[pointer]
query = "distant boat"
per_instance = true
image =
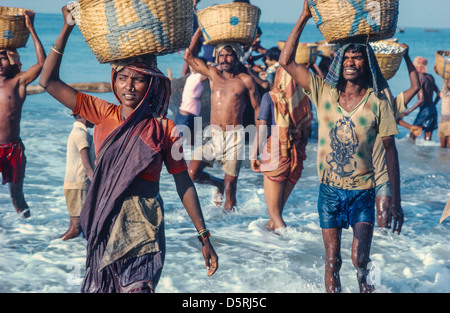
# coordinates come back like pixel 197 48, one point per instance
pixel 402 29
pixel 429 30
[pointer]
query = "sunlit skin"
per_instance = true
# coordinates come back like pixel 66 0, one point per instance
pixel 130 88
pixel 230 93
pixel 13 84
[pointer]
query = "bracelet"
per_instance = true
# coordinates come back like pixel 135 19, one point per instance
pixel 57 50
pixel 203 233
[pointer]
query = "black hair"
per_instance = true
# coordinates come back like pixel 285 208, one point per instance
pixel 357 48
pixel 273 54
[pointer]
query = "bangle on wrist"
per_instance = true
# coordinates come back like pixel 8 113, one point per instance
pixel 57 50
pixel 202 234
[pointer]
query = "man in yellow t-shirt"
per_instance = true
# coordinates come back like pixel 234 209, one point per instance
pixel 351 112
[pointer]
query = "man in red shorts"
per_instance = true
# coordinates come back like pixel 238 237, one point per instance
pixel 13 83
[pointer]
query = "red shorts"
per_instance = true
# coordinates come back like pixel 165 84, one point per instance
pixel 12 162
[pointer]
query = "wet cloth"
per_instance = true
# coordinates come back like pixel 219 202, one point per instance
pixel 12 162
pixel 334 76
pixel 346 139
pixel 427 118
pixel 284 153
pixel 237 48
pixel 130 148
pixel 343 208
pixel 74 201
pixel 135 231
pixel 379 153
pixel 225 147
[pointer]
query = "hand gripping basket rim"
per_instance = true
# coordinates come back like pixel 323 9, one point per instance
pixel 13 31
pixel 342 21
pixel 231 22
pixel 120 29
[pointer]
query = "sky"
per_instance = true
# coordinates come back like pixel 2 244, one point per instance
pixel 413 13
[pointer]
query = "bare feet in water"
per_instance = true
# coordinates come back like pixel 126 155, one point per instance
pixel 74 229
pixel 218 197
pixel 24 213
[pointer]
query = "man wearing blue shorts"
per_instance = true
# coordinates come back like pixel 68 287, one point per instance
pixel 351 112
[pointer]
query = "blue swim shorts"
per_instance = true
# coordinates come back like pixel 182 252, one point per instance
pixel 383 189
pixel 339 208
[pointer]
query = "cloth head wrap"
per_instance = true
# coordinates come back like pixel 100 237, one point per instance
pixel 420 63
pixel 237 48
pixel 334 77
pixel 13 57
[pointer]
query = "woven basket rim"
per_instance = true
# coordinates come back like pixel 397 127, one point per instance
pixel 226 5
pixel 442 52
pixel 15 8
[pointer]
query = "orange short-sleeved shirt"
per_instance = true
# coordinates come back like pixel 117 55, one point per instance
pixel 106 117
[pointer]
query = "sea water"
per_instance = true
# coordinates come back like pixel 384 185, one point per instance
pixel 34 259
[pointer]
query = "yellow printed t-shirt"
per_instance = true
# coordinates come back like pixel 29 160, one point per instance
pixel 379 153
pixel 346 139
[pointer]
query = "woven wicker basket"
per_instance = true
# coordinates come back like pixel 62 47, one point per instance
pixel 119 29
pixel 355 20
pixel 306 52
pixel 232 22
pixel 325 49
pixel 389 63
pixel 443 64
pixel 13 32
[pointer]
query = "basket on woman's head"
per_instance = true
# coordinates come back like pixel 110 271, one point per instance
pixel 119 29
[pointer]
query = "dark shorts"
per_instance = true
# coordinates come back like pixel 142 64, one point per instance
pixel 339 208
pixel 383 189
pixel 186 120
pixel 12 162
pixel 427 118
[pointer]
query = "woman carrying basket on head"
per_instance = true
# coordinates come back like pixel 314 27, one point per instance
pixel 132 140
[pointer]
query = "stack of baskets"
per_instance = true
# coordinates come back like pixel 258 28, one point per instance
pixel 356 20
pixel 306 52
pixel 232 22
pixel 120 29
pixel 389 56
pixel 13 32
pixel 326 49
pixel 443 64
